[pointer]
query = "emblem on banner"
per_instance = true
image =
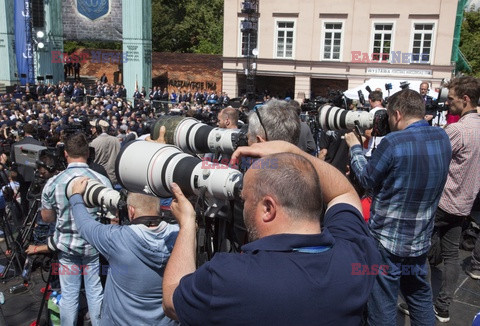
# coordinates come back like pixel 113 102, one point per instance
pixel 93 9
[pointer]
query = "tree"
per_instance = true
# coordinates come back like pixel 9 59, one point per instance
pixel 194 26
pixel 470 40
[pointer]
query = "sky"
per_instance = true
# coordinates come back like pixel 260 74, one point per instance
pixel 474 2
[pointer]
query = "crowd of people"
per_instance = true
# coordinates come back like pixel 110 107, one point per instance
pixel 52 109
pixel 310 257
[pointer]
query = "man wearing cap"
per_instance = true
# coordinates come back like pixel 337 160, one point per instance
pixel 106 147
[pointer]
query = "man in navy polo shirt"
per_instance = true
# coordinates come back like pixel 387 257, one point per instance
pixel 295 271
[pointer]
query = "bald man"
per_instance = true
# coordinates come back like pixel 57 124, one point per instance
pixel 293 272
pixel 228 118
pixel 137 254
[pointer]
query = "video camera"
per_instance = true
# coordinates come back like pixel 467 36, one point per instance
pixel 334 97
pixel 30 154
pixel 79 124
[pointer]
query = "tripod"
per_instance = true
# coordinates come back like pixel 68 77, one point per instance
pixel 45 294
pixel 22 238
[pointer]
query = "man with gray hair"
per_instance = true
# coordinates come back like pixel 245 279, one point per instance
pixel 273 121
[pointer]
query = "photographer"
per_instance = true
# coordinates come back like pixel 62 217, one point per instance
pixel 135 252
pixel 462 184
pixel 46 169
pixel 228 118
pixel 275 120
pixel 375 99
pixel 76 256
pixel 406 174
pixel 305 141
pixel 291 259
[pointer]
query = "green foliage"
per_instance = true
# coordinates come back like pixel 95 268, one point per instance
pixel 193 26
pixel 470 40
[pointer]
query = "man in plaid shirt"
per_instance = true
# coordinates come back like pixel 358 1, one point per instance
pixel 406 173
pixel 77 258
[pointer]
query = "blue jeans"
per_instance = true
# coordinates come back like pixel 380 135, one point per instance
pixel 71 269
pixel 409 275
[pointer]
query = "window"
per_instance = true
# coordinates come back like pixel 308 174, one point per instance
pixel 422 42
pixel 332 41
pixel 249 38
pixel 285 39
pixel 382 42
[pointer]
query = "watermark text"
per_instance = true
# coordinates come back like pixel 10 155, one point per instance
pixel 391 57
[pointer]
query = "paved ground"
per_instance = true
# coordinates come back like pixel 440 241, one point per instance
pixel 466 302
pixel 22 308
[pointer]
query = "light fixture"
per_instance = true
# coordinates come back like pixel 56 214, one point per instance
pixel 40 45
pixel 40 34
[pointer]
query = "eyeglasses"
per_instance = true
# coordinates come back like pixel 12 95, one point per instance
pixel 255 109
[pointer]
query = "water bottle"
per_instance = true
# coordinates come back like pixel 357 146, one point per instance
pixel 18 288
pixel 53 297
pixel 26 269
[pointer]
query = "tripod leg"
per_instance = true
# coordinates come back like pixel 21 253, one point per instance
pixel 22 238
pixel 45 294
pixel 7 230
pixel 16 250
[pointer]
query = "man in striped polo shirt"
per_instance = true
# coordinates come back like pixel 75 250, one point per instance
pixel 77 257
pixel 462 185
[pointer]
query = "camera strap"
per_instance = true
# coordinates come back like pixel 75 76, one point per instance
pixel 468 112
pixel 148 221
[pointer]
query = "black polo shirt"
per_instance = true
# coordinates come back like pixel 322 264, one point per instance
pixel 286 279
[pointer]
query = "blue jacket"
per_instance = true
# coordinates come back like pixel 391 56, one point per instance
pixel 137 256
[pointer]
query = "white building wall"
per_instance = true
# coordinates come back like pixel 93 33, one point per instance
pixel 358 18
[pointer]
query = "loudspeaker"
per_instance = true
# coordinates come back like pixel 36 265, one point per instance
pixel 38 14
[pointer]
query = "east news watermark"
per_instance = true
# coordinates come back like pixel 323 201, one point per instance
pixel 376 269
pixel 242 164
pixel 93 57
pixel 73 269
pixel 390 57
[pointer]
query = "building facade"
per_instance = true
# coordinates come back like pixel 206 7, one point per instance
pixel 305 48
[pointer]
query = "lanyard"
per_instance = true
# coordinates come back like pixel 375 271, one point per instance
pixel 311 250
